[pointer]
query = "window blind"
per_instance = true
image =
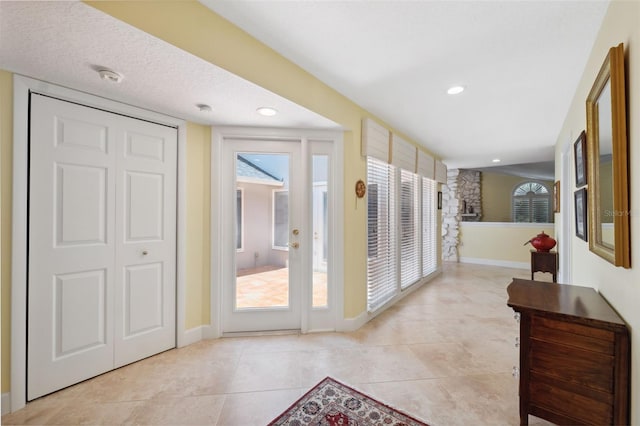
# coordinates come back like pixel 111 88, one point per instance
pixel 381 235
pixel 429 228
pixel 375 140
pixel 409 229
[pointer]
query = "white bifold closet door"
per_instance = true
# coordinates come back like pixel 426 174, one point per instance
pixel 102 242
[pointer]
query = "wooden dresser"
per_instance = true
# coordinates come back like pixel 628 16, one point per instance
pixel 574 355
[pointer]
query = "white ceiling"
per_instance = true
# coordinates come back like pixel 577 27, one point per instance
pixel 520 62
pixel 541 171
pixel 65 42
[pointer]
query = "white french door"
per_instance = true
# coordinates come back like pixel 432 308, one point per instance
pixel 102 242
pixel 264 236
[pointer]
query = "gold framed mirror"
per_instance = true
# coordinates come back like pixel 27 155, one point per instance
pixel 607 162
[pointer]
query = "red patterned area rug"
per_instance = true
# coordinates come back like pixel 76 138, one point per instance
pixel 332 403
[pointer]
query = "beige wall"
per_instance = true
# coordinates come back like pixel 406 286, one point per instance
pixel 258 226
pixel 496 195
pixel 198 242
pixel 6 170
pixel 199 31
pixel 621 287
pixel 499 243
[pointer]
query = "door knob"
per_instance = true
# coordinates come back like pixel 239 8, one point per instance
pixel 294 245
pixel 145 252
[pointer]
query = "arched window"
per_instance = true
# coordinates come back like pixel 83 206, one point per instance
pixel 531 202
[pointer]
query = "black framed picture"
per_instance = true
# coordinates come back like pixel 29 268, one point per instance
pixel 580 199
pixel 580 155
pixel 439 200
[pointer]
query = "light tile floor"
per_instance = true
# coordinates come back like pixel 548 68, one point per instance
pixel 444 354
pixel 269 287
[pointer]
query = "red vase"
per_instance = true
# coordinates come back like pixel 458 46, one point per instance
pixel 542 242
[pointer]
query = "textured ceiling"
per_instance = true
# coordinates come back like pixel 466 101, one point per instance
pixel 519 60
pixel 64 42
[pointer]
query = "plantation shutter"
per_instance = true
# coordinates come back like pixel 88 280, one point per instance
pixel 540 209
pixel 521 210
pixel 381 236
pixel 409 229
pixel 429 249
pixel 375 140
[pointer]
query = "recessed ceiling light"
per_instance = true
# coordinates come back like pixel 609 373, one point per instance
pixel 454 90
pixel 110 76
pixel 495 160
pixel 203 107
pixel 267 111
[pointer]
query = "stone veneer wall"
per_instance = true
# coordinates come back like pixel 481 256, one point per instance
pixel 470 195
pixel 461 195
pixel 450 216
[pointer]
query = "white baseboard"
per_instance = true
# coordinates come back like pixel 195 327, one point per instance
pixel 210 332
pixel 496 262
pixel 6 403
pixel 319 330
pixel 352 324
pixel 193 335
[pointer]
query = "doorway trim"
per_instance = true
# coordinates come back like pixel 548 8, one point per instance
pixel 336 274
pixel 566 212
pixel 22 86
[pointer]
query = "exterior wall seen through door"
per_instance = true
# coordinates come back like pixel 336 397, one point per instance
pixel 257 221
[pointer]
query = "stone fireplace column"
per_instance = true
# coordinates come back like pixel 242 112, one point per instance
pixel 461 201
pixel 450 216
pixel 469 195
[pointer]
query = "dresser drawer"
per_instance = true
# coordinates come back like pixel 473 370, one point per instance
pixel 583 405
pixel 576 335
pixel 585 368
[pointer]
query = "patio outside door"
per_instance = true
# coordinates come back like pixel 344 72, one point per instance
pixel 264 229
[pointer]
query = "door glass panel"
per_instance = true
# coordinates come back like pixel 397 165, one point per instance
pixel 262 231
pixel 320 230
